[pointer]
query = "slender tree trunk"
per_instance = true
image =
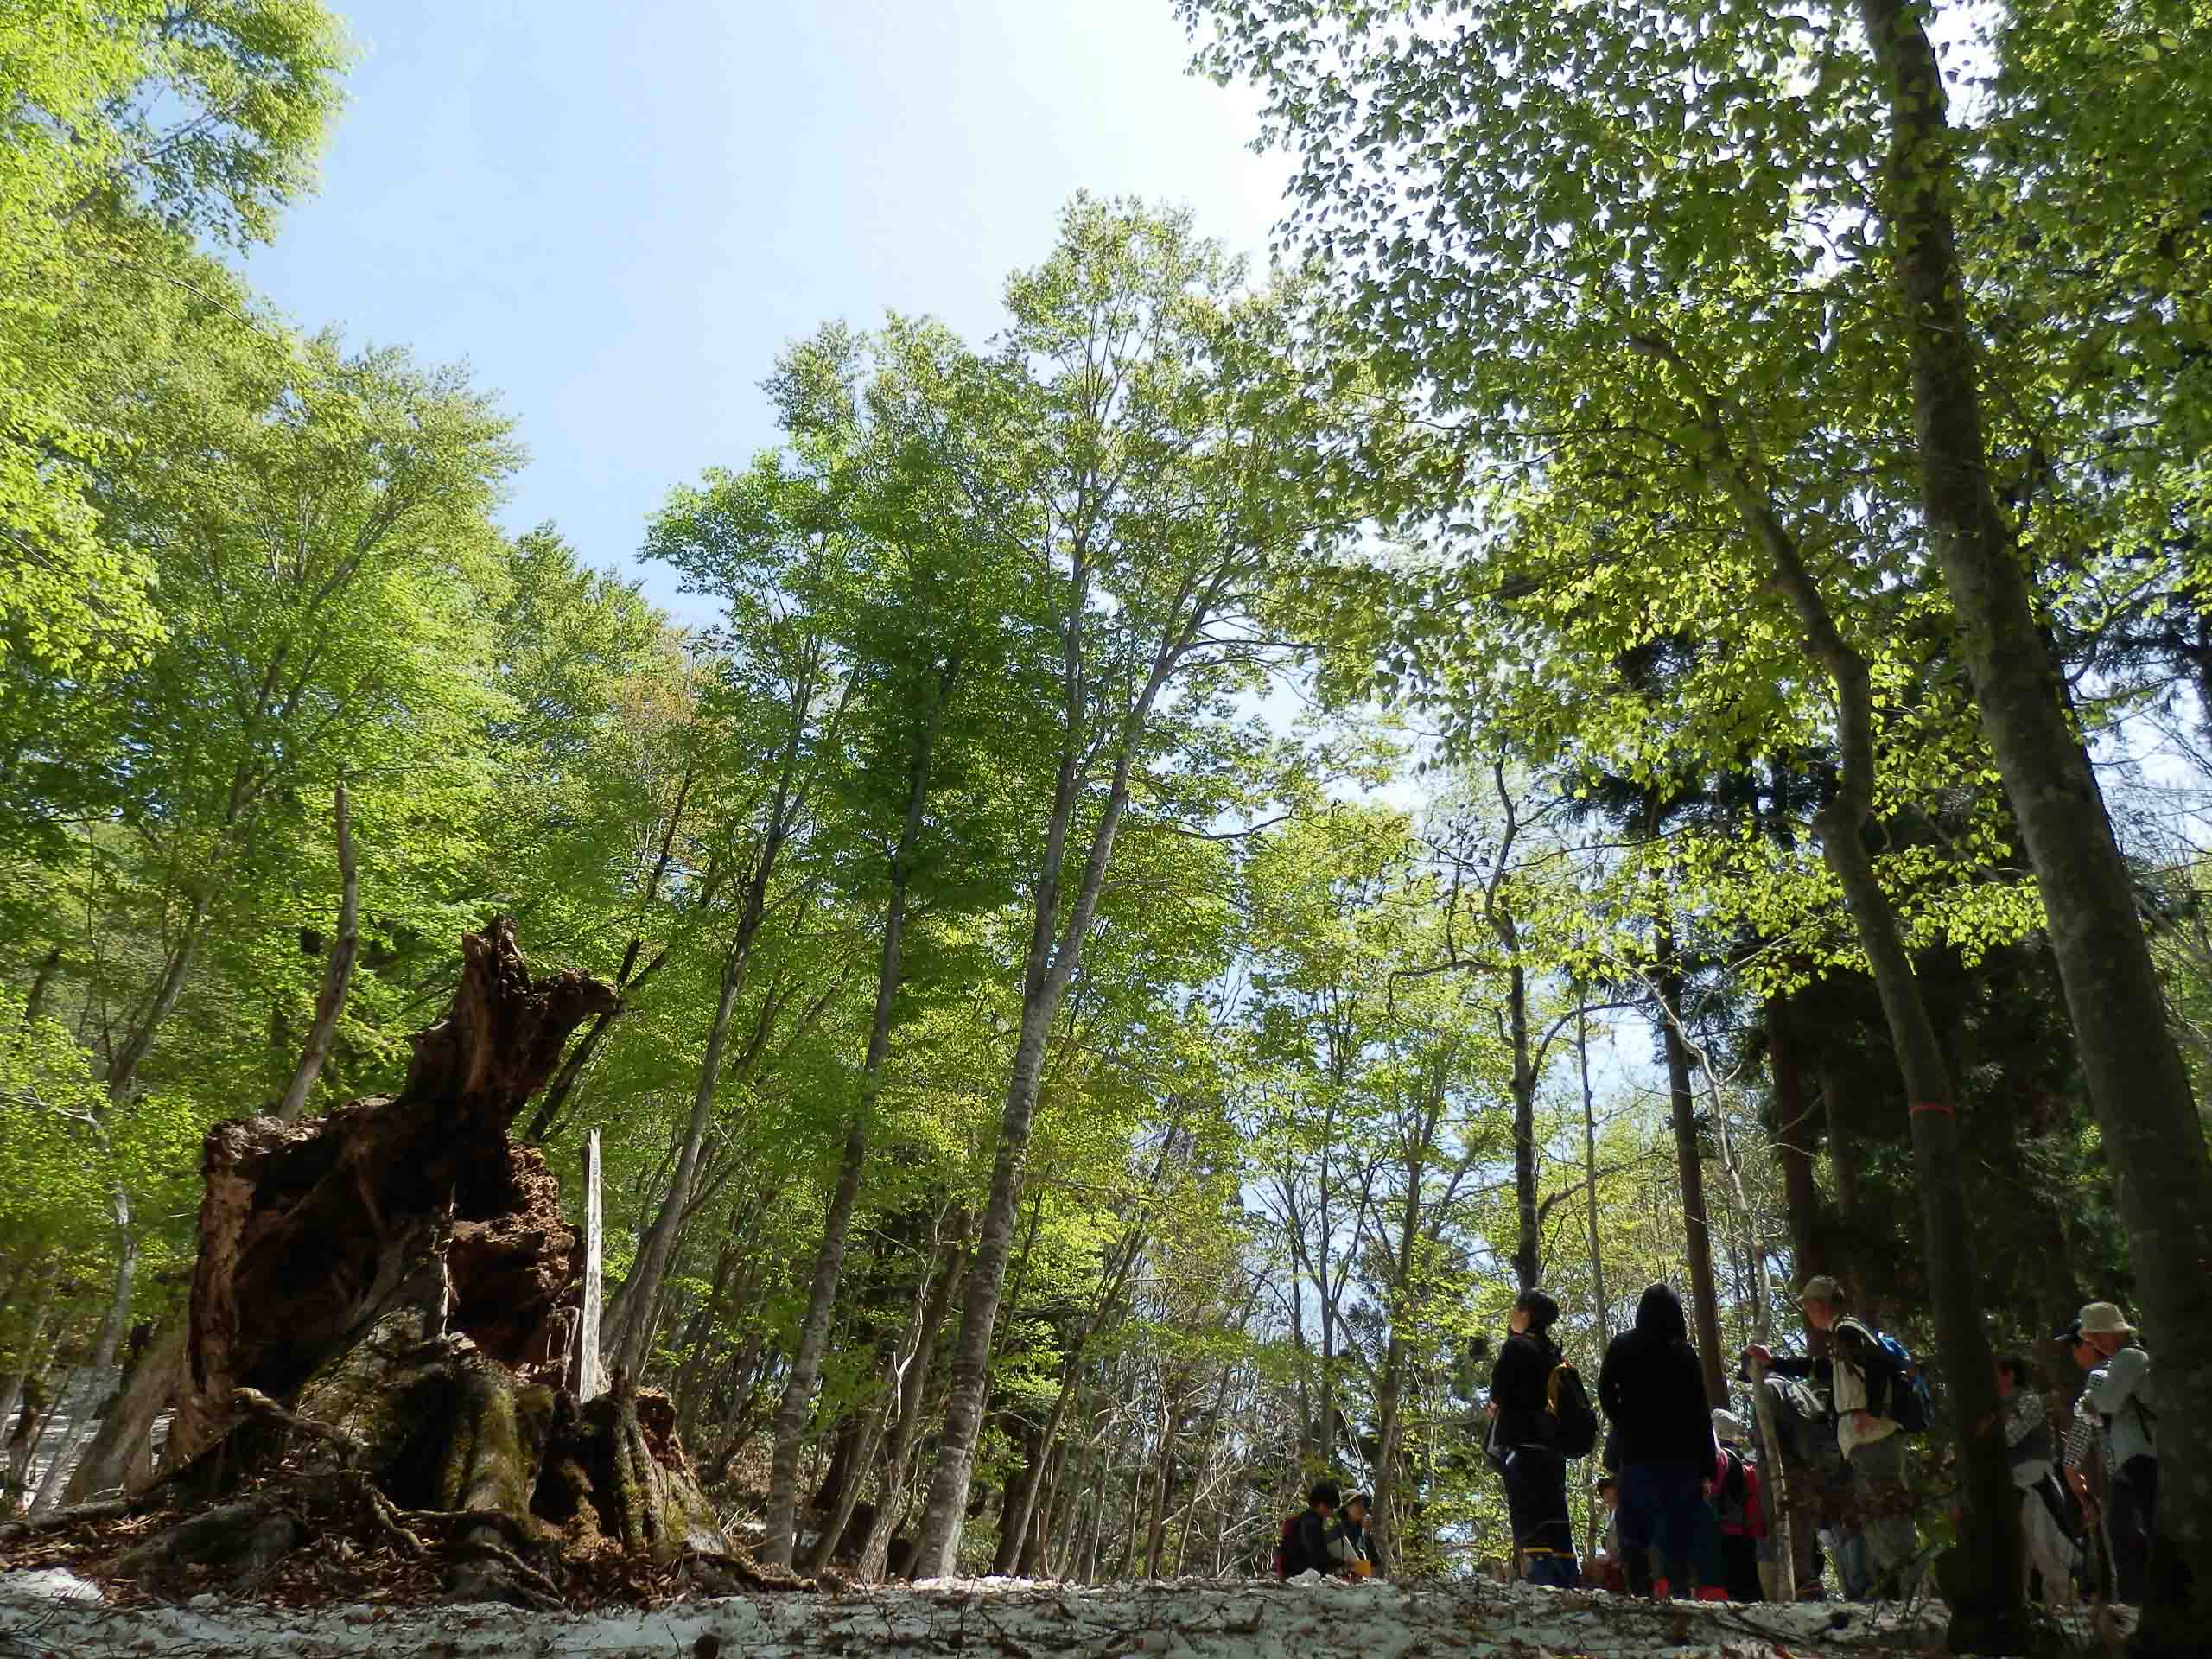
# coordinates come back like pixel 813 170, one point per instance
pixel 1021 1494
pixel 630 1314
pixel 337 975
pixel 555 1101
pixel 876 1416
pixel 1843 1154
pixel 1689 1160
pixel 1036 1551
pixel 1988 1614
pixel 41 982
pixel 16 1429
pixel 1590 1176
pixel 123 1068
pixel 1796 1137
pixel 790 1427
pixel 1156 1531
pixel 106 1344
pixel 1051 964
pixel 910 1393
pixel 1528 1236
pixel 1775 1496
pixel 2152 1132
pixel 120 1455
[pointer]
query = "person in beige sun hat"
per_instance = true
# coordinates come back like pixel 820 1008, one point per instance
pixel 2120 1391
pixel 2105 1319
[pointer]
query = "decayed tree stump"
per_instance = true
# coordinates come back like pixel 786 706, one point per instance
pixel 382 1310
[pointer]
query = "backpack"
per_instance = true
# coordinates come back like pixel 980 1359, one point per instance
pixel 1732 1494
pixel 1574 1423
pixel 1912 1403
pixel 2146 1414
pixel 1286 1547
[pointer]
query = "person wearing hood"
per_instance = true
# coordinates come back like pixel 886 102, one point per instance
pixel 1651 1389
pixel 1521 1447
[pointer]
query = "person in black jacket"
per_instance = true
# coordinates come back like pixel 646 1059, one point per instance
pixel 1522 1430
pixel 1651 1389
pixel 1311 1544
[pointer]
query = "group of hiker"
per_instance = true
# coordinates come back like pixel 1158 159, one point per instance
pixel 1328 1536
pixel 1684 1493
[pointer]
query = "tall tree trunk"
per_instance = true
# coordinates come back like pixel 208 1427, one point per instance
pixel 908 1397
pixel 1055 949
pixel 877 1417
pixel 1156 1530
pixel 1036 1551
pixel 1988 1614
pixel 1794 1134
pixel 121 1452
pixel 123 1066
pixel 337 975
pixel 1590 1175
pixel 1021 1493
pixel 632 1313
pixel 2150 1124
pixel 1528 1235
pixel 41 982
pixel 790 1425
pixel 107 1344
pixel 558 1092
pixel 1705 1294
pixel 18 1426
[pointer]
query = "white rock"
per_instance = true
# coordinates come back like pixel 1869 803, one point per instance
pixel 50 1584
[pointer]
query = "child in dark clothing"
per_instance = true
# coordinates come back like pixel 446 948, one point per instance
pixel 1520 1444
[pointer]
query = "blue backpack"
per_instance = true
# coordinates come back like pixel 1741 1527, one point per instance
pixel 1912 1403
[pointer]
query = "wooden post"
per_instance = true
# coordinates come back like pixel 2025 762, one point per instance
pixel 588 1374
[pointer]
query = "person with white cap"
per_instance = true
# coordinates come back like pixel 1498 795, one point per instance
pixel 1736 1496
pixel 2119 1392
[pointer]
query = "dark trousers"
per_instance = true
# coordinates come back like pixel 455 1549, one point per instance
pixel 1739 1561
pixel 1535 1499
pixel 1663 1506
pixel 2135 1497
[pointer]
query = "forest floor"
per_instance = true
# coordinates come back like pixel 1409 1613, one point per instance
pixel 53 1612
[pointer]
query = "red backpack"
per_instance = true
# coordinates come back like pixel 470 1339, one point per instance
pixel 1287 1546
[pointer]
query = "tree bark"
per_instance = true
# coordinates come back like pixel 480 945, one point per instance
pixel 1988 1613
pixel 338 973
pixel 395 1279
pixel 123 1067
pixel 790 1425
pixel 1051 963
pixel 1590 1175
pixel 635 1310
pixel 1529 1234
pixel 42 982
pixel 907 1398
pixel 588 1383
pixel 1689 1160
pixel 554 1103
pixel 1796 1137
pixel 106 1345
pixel 2152 1129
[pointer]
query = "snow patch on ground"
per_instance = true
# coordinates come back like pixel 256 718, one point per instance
pixel 47 1612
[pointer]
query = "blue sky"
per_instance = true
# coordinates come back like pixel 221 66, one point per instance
pixel 617 213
